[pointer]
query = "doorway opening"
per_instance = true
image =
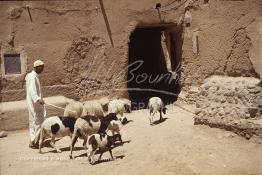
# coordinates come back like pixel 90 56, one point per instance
pixel 154 64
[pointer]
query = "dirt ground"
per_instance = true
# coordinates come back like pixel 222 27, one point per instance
pixel 174 146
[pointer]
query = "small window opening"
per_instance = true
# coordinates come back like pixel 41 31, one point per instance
pixel 12 63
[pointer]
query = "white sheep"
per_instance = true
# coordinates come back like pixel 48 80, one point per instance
pixel 92 107
pixel 73 109
pixel 119 106
pixel 89 124
pixel 116 125
pixel 101 141
pixel 56 127
pixel 155 104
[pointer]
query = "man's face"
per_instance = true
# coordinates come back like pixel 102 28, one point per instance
pixel 39 69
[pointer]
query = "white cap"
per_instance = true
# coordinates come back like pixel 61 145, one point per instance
pixel 38 63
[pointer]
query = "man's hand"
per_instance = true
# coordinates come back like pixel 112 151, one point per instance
pixel 41 101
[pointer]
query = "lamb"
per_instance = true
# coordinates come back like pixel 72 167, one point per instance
pixel 92 108
pixel 101 141
pixel 116 125
pixel 56 127
pixel 119 106
pixel 74 109
pixel 89 124
pixel 156 104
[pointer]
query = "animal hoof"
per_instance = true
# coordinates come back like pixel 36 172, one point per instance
pixel 71 157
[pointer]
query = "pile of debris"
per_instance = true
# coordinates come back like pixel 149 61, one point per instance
pixel 231 103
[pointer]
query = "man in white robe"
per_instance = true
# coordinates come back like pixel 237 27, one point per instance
pixel 35 102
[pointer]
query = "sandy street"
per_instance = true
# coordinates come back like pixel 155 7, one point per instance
pixel 175 146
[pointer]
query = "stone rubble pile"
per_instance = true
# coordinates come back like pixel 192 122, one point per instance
pixel 231 103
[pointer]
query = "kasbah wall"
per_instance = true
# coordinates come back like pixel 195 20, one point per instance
pixel 72 39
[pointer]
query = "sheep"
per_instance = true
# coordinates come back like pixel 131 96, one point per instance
pixel 119 106
pixel 156 104
pixel 101 141
pixel 74 109
pixel 89 124
pixel 116 125
pixel 126 101
pixel 92 108
pixel 56 127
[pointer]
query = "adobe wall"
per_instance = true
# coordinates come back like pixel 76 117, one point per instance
pixel 73 41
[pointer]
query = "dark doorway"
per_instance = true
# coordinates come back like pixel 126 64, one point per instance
pixel 148 75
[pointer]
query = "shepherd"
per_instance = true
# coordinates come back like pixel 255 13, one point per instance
pixel 35 103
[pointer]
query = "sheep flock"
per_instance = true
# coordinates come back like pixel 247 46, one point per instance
pixel 97 122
